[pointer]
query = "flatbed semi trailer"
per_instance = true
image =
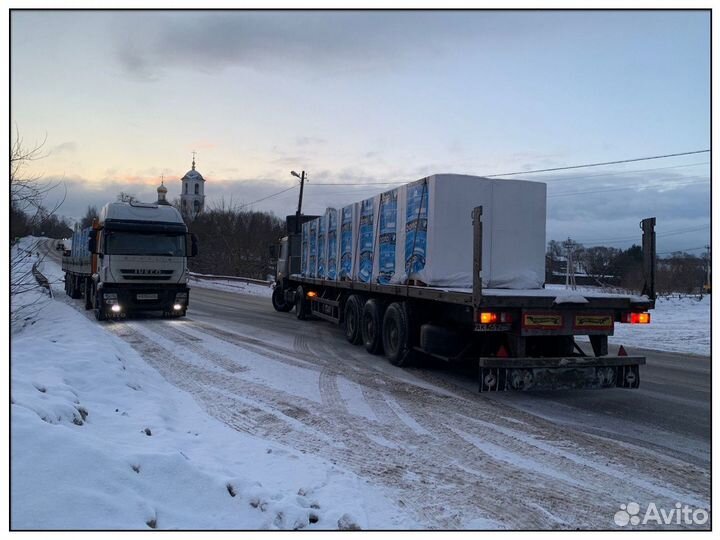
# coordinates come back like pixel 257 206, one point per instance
pixel 520 339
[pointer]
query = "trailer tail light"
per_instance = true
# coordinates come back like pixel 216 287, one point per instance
pixel 311 294
pixel 487 317
pixel 636 318
pixel 491 317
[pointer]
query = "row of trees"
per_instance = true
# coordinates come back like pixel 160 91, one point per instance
pixel 234 241
pixel 609 266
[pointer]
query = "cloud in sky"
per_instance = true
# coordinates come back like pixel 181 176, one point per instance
pixel 330 40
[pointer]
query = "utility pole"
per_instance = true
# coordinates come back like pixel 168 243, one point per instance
pixel 301 176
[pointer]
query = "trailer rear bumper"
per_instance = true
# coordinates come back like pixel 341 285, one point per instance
pixel 561 373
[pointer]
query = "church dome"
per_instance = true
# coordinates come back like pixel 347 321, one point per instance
pixel 193 175
pixel 161 188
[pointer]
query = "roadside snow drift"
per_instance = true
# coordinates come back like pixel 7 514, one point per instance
pixel 101 441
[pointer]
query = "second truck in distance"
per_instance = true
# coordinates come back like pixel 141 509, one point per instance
pixel 133 258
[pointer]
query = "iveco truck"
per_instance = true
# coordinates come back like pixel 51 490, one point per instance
pixel 133 258
pixel 452 267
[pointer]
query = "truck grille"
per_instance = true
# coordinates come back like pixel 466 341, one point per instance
pixel 155 275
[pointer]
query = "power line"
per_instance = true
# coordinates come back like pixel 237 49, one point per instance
pixel 267 197
pixel 629 186
pixel 631 238
pixel 555 180
pixel 356 183
pixel 599 164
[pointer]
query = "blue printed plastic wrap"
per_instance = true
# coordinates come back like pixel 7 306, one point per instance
pixel 321 262
pixel 346 242
pixel 416 227
pixel 312 259
pixel 387 236
pixel 367 232
pixel 304 249
pixel 332 244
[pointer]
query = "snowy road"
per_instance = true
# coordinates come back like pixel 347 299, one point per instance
pixel 450 457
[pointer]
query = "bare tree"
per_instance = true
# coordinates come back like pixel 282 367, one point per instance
pixel 126 197
pixel 27 195
pixel 28 192
pixel 90 214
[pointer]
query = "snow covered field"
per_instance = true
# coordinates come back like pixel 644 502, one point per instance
pixel 131 451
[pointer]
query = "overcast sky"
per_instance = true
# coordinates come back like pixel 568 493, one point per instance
pixel 365 97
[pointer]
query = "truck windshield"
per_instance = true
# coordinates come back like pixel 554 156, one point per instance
pixel 125 243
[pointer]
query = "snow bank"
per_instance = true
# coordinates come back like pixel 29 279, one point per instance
pixel 101 441
pixel 676 324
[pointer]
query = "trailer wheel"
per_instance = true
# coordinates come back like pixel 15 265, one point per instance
pixel 89 294
pixel 302 306
pixel 372 315
pixel 75 290
pixel 351 319
pixel 396 334
pixel 279 302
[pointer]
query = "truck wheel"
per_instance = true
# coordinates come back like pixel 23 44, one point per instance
pixel 89 293
pixel 75 290
pixel 396 334
pixel 371 326
pixel 302 306
pixel 100 314
pixel 279 302
pixel 351 318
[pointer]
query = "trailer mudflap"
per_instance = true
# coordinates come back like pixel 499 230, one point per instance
pixel 559 373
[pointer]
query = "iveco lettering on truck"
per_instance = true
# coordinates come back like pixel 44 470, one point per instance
pixel 452 267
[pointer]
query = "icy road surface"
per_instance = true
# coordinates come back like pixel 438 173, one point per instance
pixel 446 456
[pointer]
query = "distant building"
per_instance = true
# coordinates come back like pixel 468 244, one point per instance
pixel 162 194
pixel 192 196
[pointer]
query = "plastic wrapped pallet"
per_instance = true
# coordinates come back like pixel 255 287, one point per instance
pixel 304 249
pixel 348 216
pixel 312 248
pixel 321 246
pixel 331 216
pixel 438 233
pixel 366 244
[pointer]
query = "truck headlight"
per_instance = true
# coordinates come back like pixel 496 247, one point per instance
pixel 177 307
pixel 111 298
pixel 116 308
pixel 181 297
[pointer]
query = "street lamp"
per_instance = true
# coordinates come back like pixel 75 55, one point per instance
pixel 299 208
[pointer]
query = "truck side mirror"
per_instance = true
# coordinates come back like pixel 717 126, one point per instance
pixel 91 244
pixel 273 251
pixel 191 245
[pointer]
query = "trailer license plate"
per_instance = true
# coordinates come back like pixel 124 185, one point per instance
pixel 146 296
